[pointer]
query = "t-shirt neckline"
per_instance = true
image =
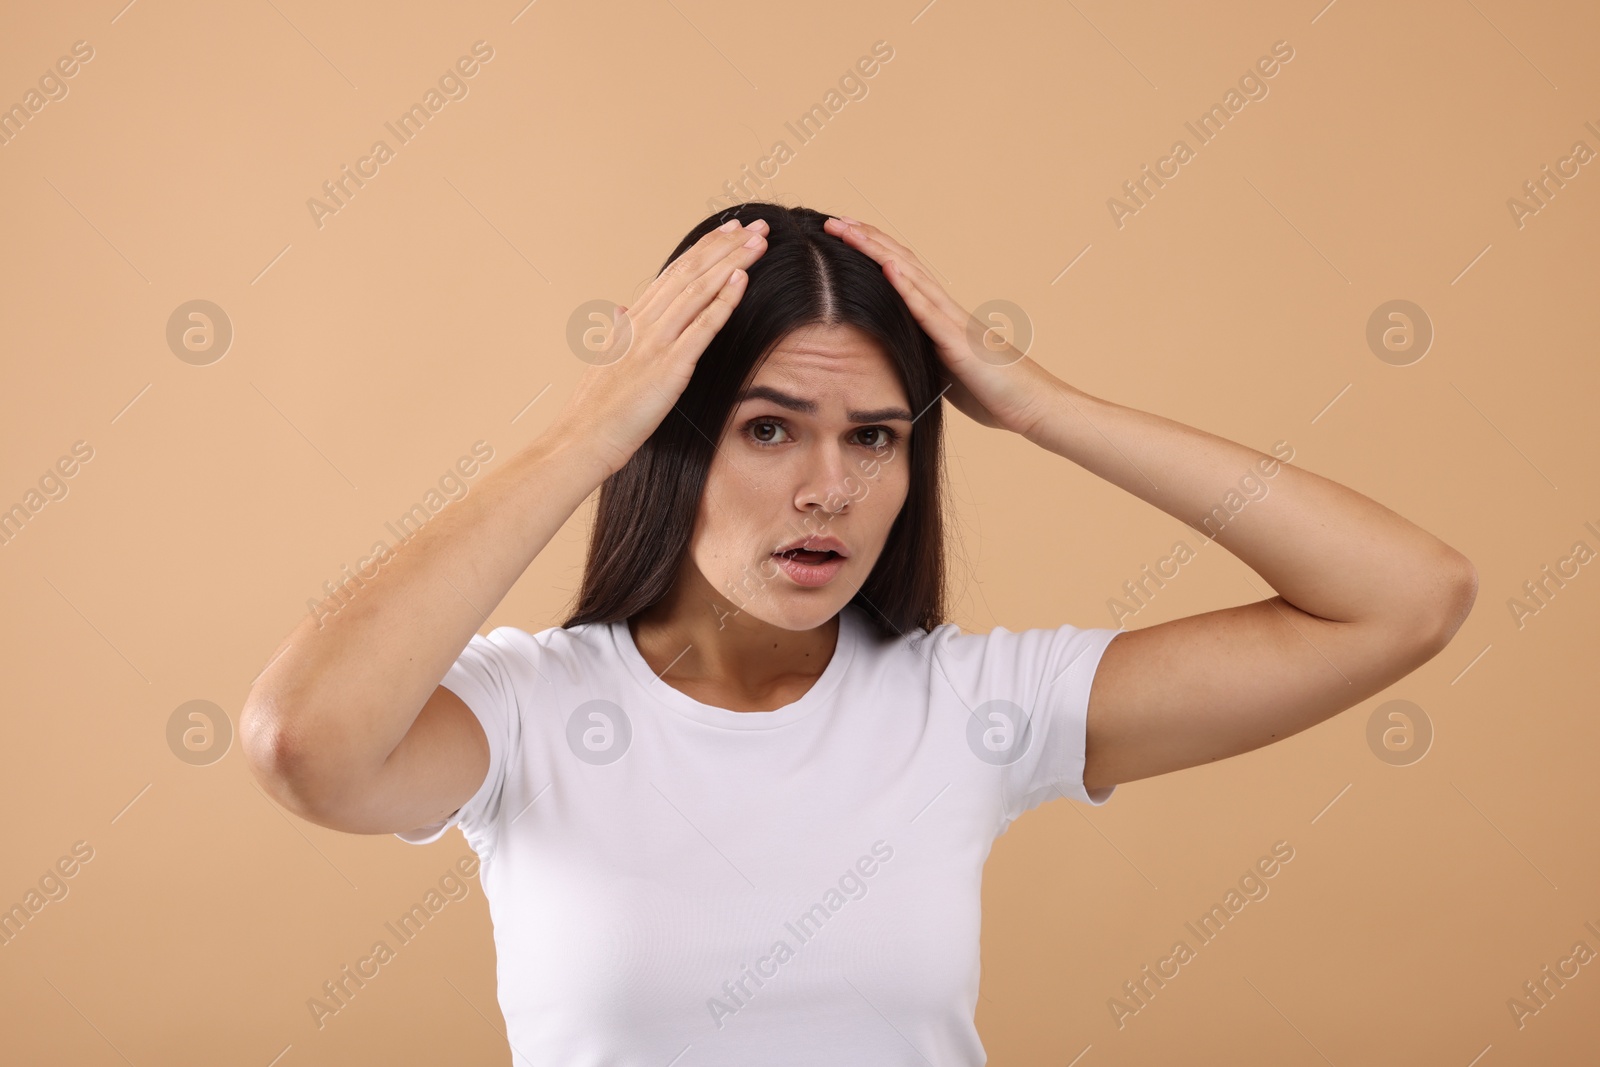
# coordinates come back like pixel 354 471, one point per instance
pixel 843 652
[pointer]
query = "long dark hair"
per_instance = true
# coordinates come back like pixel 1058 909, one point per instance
pixel 647 508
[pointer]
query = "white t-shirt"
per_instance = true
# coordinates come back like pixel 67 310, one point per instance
pixel 676 883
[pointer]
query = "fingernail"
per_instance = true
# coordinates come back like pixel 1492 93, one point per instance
pixel 755 239
pixel 729 226
pixel 848 220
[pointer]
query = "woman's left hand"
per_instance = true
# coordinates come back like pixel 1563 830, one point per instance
pixel 1005 389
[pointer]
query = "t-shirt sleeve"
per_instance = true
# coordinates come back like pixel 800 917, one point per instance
pixel 485 676
pixel 1027 694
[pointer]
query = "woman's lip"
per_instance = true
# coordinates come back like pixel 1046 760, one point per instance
pixel 808 574
pixel 803 548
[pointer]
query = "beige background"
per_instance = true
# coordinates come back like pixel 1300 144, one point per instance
pixel 369 353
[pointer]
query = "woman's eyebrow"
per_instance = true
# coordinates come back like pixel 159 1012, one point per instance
pixel 809 407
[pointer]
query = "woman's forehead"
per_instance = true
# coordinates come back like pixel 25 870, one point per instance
pixel 839 341
pixel 861 384
pixel 827 357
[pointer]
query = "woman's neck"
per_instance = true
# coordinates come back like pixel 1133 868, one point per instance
pixel 707 648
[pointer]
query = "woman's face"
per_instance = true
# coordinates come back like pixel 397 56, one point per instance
pixel 817 447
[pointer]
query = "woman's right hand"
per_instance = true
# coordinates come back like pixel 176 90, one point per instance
pixel 617 405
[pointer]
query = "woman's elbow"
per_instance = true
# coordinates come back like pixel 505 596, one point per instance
pixel 278 757
pixel 1456 592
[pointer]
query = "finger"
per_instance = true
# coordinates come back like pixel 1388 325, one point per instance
pixel 947 330
pixel 882 248
pixel 699 331
pixel 867 229
pixel 938 302
pixel 704 255
pixel 698 293
pixel 712 246
pixel 870 234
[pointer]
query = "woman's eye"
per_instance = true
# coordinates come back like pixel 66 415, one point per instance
pixel 757 428
pixel 763 432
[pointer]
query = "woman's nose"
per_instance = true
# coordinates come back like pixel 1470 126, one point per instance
pixel 827 481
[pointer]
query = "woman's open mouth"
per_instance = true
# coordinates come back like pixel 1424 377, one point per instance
pixel 808 568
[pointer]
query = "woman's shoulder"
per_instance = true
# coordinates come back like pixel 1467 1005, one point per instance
pixel 534 646
pixel 950 640
pixel 877 640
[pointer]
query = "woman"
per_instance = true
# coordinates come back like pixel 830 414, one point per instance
pixel 735 809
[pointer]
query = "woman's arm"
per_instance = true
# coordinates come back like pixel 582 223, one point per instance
pixel 1364 596
pixel 348 725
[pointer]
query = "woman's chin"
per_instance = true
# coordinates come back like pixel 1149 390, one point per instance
pixel 795 609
